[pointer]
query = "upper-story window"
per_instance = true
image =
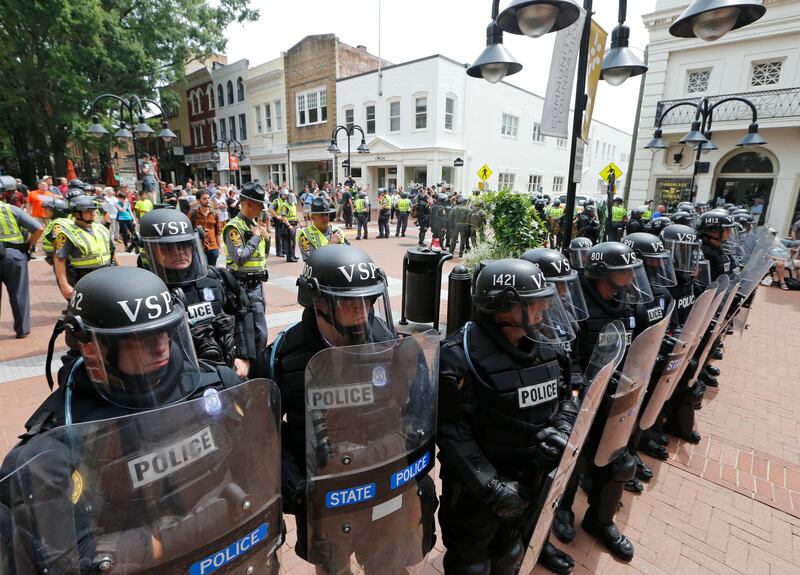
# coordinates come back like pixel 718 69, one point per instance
pixel 369 113
pixel 239 90
pixel 312 107
pixel 277 105
pixel 210 96
pixel 230 93
pixel 450 113
pixel 766 73
pixel 257 118
pixel 561 143
pixel 243 126
pixel 510 125
pixel 537 132
pixel 394 116
pixel 698 81
pixel 421 112
pixel 267 118
pixel 220 96
pixel 349 118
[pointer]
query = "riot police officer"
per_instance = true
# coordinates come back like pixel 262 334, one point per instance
pixel 423 216
pixel 83 247
pixel 656 225
pixel 439 214
pixel 130 357
pixel 715 228
pixel 461 229
pixel 361 208
pixel 321 231
pixel 505 412
pixel 614 282
pixel 579 252
pixel 217 308
pixel 14 250
pixel 635 223
pixel 403 209
pixel 58 217
pixel 588 224
pixel 345 301
pixel 285 214
pixel 245 240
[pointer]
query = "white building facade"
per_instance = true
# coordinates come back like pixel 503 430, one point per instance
pixel 233 115
pixel 423 118
pixel 761 63
pixel 266 94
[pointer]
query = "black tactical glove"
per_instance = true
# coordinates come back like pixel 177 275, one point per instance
pixel 550 447
pixel 206 522
pixel 206 344
pixel 506 498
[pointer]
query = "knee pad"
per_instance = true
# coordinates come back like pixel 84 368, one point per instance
pixel 624 467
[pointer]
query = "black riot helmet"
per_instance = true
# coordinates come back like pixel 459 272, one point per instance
pixel 349 295
pixel 657 224
pixel 133 337
pixel 254 192
pixel 441 198
pixel 684 218
pixel 76 184
pixel 617 264
pixel 557 269
pixel 684 245
pixel 637 213
pixel 718 225
pixel 657 260
pixel 60 207
pixel 701 207
pixel 172 247
pixel 404 195
pixel 744 219
pixel 519 290
pixel 579 252
pixel 685 207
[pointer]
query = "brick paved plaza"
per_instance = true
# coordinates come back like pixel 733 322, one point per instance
pixel 728 505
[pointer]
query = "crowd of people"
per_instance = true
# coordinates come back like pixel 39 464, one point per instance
pixel 361 407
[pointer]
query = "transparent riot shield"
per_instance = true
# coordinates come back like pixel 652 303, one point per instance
pixel 606 357
pixel 758 264
pixel 678 360
pixel 718 324
pixel 370 424
pixel 192 489
pixel 629 394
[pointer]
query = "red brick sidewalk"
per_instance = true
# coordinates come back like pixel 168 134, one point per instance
pixel 729 505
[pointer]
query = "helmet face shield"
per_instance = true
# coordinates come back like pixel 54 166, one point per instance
pixel 143 369
pixel 579 256
pixel 659 269
pixel 703 273
pixel 630 284
pixel 684 254
pixel 730 240
pixel 541 316
pixel 177 260
pixel 571 294
pixel 354 316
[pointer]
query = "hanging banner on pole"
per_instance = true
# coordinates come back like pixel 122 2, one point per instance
pixel 597 49
pixel 555 115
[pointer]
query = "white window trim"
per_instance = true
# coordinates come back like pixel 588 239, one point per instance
pixel 414 99
pixel 541 140
pixel 346 109
pixel 374 118
pixel 275 105
pixel 269 127
pixel 512 115
pixel 563 184
pixel 305 94
pixel 259 128
pixel 455 113
pixel 389 103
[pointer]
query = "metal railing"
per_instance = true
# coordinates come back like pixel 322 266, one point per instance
pixel 782 103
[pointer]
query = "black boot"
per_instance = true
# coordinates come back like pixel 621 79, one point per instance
pixel 633 485
pixel 510 562
pixel 608 534
pixel 555 559
pixel 707 379
pixel 716 353
pixel 653 449
pixel 564 525
pixel 643 471
pixel 712 370
pixel 660 438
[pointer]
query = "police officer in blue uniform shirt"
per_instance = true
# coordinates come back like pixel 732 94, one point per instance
pixel 505 412
pixel 15 224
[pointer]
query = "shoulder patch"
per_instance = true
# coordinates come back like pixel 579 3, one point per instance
pixel 235 237
pixel 77 487
pixel 56 229
pixel 303 241
pixel 61 239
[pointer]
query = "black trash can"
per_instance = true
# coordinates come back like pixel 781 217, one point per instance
pixel 422 285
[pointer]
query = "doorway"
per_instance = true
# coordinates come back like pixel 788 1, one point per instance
pixel 746 179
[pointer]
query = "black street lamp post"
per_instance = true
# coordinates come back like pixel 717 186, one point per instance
pixel 130 105
pixel 238 151
pixel 334 147
pixel 700 134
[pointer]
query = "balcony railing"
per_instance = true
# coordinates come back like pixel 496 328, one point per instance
pixel 783 103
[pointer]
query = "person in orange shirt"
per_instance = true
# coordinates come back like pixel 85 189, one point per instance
pixel 35 199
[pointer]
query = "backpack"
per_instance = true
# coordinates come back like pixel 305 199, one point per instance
pixel 792 283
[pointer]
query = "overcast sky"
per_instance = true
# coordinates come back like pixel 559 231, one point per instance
pixel 415 28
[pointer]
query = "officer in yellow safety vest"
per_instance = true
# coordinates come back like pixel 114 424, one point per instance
pixel 554 217
pixel 647 211
pixel 57 217
pixel 362 215
pixel 285 214
pixel 83 247
pixel 14 252
pixel 245 239
pixel 385 203
pixel 321 232
pixel 403 209
pixel 618 216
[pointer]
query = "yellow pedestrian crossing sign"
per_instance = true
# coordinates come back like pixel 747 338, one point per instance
pixel 607 171
pixel 485 172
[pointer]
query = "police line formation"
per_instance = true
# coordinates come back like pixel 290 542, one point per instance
pixel 175 439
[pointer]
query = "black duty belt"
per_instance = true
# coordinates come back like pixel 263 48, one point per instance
pixel 251 281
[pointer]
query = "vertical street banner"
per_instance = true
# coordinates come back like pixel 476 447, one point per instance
pixel 597 49
pixel 555 115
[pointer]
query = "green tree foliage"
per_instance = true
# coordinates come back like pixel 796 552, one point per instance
pixel 58 55
pixel 515 227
